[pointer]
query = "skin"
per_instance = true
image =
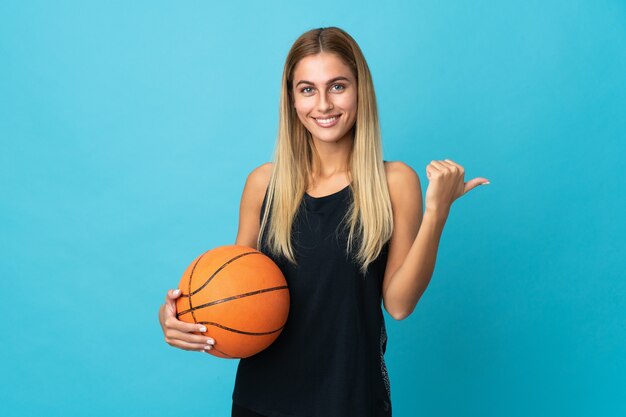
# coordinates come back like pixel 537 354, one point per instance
pixel 415 239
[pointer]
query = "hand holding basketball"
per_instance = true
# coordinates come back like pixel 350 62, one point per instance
pixel 179 333
pixel 239 294
pixel 446 184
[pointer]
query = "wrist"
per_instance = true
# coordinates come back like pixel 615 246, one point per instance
pixel 438 213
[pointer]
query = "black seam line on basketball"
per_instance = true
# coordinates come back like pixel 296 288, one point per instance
pixel 224 353
pixel 218 270
pixel 230 329
pixel 212 276
pixel 189 285
pixel 223 300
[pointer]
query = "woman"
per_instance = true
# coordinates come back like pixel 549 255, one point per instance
pixel 347 230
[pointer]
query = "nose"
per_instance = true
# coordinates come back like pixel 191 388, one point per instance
pixel 325 103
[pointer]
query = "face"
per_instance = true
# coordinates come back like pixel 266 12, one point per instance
pixel 323 88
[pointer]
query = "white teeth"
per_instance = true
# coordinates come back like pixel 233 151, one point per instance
pixel 326 121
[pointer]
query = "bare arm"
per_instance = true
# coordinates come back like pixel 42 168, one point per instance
pixel 413 246
pixel 414 243
pixel 250 206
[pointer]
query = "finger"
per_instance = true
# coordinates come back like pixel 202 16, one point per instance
pixel 449 167
pixel 470 185
pixel 431 170
pixel 172 295
pixel 170 298
pixel 190 337
pixel 173 323
pixel 451 162
pixel 188 346
pixel 433 165
pixel 442 167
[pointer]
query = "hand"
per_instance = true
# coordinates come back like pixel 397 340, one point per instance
pixel 179 333
pixel 446 185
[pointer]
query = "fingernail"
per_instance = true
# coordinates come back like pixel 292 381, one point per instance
pixel 203 329
pixel 210 342
pixel 486 183
pixel 176 291
pixel 208 347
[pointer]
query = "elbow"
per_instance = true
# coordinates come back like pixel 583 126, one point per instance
pixel 398 310
pixel 399 314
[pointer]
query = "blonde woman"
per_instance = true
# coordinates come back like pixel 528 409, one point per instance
pixel 348 231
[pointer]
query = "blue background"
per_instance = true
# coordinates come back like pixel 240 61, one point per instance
pixel 127 132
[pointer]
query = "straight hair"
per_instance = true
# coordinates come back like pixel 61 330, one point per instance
pixel 369 217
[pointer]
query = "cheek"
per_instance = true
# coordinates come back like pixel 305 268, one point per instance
pixel 300 113
pixel 302 108
pixel 348 103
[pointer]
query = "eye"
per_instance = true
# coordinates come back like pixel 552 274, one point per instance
pixel 305 88
pixel 339 85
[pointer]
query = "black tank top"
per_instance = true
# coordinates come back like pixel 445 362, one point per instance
pixel 329 359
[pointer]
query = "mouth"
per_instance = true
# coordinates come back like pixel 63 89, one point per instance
pixel 327 121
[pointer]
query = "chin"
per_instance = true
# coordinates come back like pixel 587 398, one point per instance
pixel 327 136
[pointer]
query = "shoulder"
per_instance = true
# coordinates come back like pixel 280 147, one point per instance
pixel 401 177
pixel 262 173
pixel 405 190
pixel 259 178
pixel 251 204
pixel 256 185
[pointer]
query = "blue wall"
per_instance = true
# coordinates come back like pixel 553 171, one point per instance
pixel 127 131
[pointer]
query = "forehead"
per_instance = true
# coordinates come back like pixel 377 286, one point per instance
pixel 320 67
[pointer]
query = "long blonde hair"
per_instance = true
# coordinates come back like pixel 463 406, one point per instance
pixel 370 216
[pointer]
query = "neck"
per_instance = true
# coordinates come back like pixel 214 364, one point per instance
pixel 331 159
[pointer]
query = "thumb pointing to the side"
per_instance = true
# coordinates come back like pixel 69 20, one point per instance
pixel 471 184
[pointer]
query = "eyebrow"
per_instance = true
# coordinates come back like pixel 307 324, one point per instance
pixel 328 82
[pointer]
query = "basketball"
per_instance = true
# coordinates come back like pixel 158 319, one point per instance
pixel 240 296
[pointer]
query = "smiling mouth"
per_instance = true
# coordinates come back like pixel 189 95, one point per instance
pixel 326 121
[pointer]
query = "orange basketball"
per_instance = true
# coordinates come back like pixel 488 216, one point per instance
pixel 241 297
